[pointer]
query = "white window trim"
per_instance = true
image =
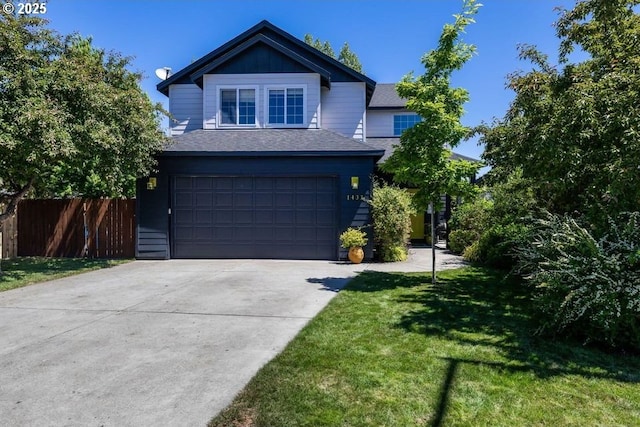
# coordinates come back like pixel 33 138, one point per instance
pixel 404 113
pixel 219 89
pixel 304 123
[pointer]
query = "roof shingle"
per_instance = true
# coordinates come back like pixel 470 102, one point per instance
pixel 268 142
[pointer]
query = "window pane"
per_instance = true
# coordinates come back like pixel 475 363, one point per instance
pixel 405 121
pixel 295 108
pixel 276 106
pixel 228 106
pixel 247 106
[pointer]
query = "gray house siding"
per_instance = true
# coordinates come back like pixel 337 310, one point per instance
pixel 154 230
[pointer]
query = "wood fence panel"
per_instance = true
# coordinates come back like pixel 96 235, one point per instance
pixel 9 238
pixel 95 228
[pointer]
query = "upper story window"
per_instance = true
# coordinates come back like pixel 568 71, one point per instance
pixel 237 106
pixel 285 106
pixel 404 121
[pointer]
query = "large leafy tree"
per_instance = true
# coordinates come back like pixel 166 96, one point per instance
pixel 423 157
pixel 574 129
pixel 73 118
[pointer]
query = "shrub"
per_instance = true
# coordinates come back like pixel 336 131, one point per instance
pixel 468 222
pixel 488 231
pixel 353 237
pixel 586 286
pixel 393 253
pixel 391 211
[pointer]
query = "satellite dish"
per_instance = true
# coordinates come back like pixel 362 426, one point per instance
pixel 163 73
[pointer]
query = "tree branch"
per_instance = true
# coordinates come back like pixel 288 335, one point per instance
pixel 14 199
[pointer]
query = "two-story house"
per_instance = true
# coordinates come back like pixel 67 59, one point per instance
pixel 274 148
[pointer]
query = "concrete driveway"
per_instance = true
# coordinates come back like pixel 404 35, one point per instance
pixel 154 343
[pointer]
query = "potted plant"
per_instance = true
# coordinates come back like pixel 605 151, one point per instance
pixel 354 239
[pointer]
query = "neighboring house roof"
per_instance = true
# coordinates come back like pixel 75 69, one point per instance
pixel 267 142
pixel 290 47
pixel 387 144
pixel 385 96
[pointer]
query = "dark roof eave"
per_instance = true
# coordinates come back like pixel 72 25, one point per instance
pixel 394 107
pixel 163 86
pixel 377 154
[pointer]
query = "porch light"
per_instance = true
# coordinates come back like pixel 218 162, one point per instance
pixel 152 183
pixel 355 182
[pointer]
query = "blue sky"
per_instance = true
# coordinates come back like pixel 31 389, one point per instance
pixel 388 36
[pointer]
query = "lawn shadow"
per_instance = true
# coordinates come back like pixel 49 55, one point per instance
pixel 481 307
pixel 333 284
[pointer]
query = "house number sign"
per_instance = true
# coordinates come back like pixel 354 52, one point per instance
pixel 356 197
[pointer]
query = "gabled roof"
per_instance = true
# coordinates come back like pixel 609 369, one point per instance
pixel 385 96
pixel 268 142
pixel 268 34
pixel 260 38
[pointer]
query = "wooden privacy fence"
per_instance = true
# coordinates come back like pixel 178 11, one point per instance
pixel 72 228
pixel 9 238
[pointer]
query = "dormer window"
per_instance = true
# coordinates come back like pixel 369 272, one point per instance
pixel 285 106
pixel 238 107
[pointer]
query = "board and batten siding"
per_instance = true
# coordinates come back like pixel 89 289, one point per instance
pixel 185 104
pixel 310 81
pixel 343 109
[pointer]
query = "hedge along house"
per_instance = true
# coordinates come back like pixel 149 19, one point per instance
pixel 269 156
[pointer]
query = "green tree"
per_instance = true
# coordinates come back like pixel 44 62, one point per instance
pixel 573 129
pixel 346 57
pixel 73 118
pixel 423 157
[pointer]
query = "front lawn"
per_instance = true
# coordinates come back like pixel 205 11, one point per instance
pixel 20 272
pixel 393 350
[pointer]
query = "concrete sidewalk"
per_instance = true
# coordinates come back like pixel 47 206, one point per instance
pixel 157 343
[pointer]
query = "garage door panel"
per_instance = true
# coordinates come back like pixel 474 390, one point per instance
pixel 285 217
pixel 264 218
pixel 222 183
pixel 183 199
pixel 222 234
pixel 325 217
pixel 243 217
pixel 204 217
pixel 223 217
pixel 255 217
pixel 243 200
pixel 263 200
pixel 243 234
pixel 325 200
pixel 183 216
pixel 202 233
pixel 243 184
pixel 182 183
pixel 263 234
pixel 305 200
pixel 284 183
pixel 284 200
pixel 223 200
pixel 203 183
pixel 262 184
pixel 203 199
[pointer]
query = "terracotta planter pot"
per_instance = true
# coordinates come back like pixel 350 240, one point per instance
pixel 356 254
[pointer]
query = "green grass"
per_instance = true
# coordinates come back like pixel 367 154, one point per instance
pixel 20 272
pixel 393 350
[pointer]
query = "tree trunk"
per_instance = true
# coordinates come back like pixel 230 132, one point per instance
pixel 433 243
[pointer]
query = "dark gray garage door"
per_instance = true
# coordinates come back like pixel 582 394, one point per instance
pixel 254 217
